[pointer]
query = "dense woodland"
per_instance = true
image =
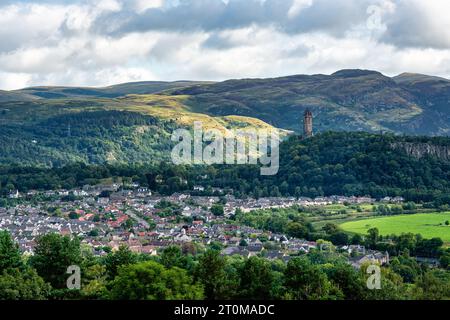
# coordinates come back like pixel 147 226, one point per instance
pixel 332 163
pixel 194 272
pixel 93 137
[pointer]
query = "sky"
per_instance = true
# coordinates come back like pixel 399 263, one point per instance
pixel 105 42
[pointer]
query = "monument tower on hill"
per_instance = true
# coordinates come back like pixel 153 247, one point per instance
pixel 308 124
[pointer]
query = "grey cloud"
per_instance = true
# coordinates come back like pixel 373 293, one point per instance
pixel 204 15
pixel 409 27
pixel 220 42
pixel 335 17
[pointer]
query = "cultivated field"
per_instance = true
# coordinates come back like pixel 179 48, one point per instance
pixel 429 225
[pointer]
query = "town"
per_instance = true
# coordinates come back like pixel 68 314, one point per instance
pixel 108 216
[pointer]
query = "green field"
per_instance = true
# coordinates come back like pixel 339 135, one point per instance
pixel 429 225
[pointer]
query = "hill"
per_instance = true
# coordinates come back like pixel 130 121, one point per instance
pixel 355 100
pixel 32 119
pixel 351 164
pixel 144 87
pixel 349 100
pixel 333 163
pixel 130 129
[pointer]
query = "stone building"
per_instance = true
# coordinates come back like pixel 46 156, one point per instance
pixel 308 124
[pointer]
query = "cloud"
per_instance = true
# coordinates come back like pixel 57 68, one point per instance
pixel 101 42
pixel 291 16
pixel 419 24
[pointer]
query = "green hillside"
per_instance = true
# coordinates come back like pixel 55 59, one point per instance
pixel 334 163
pixel 34 122
pixel 355 100
pixel 144 87
pixel 129 129
pixel 428 225
pixel 350 100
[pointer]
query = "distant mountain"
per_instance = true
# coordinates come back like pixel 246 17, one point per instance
pixel 145 87
pixel 8 96
pixel 35 122
pixel 354 100
pixel 91 128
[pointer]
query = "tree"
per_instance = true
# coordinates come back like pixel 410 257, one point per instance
pixel 211 273
pixel 73 215
pixel 94 282
pixel 172 256
pixel 217 210
pixel 53 255
pixel 445 260
pixel 429 247
pixel 93 233
pixel 372 237
pixel 10 256
pixel 121 257
pixel 330 228
pixel 357 239
pixel 151 281
pixel 305 281
pixel 347 279
pixel 392 287
pixel 297 230
pixel 434 285
pixel 243 243
pixel 256 280
pixel 23 284
pixel 339 238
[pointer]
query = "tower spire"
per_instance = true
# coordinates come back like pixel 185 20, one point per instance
pixel 308 124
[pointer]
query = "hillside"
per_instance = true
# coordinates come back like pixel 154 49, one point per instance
pixel 144 87
pixel 355 100
pixel 130 129
pixel 351 164
pixel 333 163
pixel 32 119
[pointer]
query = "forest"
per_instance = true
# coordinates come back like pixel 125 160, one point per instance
pixel 332 163
pixel 193 272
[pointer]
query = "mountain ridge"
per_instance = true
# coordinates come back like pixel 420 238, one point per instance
pixel 36 121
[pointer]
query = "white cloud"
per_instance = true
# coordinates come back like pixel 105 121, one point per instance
pixel 143 5
pixel 297 6
pixel 10 81
pixel 103 42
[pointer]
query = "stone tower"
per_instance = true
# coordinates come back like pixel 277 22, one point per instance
pixel 308 124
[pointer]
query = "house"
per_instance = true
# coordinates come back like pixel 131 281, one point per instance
pixel 14 194
pixel 187 212
pixel 80 193
pixel 274 254
pixel 143 192
pixel 231 251
pixel 199 188
pixel 374 257
pixel 63 193
pixel 182 237
pixel 118 222
pixel 151 250
pixel 103 201
pixel 354 249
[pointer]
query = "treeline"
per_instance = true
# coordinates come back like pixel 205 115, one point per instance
pixel 194 272
pixel 351 164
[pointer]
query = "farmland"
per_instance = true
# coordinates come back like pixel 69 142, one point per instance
pixel 428 225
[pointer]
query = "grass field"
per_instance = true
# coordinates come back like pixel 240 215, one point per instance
pixel 429 225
